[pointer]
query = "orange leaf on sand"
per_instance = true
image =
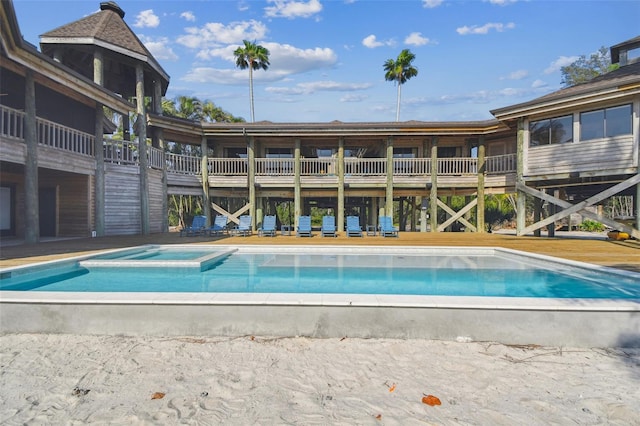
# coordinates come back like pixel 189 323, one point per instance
pixel 379 417
pixel 431 400
pixel 157 395
pixel 392 388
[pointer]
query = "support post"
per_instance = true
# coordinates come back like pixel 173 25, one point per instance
pixel 100 202
pixel 204 170
pixel 251 177
pixel 389 187
pixel 481 171
pixel 433 195
pixel 297 208
pixel 340 212
pixel 521 201
pixel 141 131
pixel 32 215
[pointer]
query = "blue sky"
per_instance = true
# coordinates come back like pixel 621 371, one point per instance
pixel 327 55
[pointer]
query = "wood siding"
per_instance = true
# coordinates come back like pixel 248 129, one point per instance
pixel 586 156
pixel 155 201
pixel 122 200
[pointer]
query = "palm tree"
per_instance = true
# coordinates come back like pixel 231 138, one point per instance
pixel 254 57
pixel 400 71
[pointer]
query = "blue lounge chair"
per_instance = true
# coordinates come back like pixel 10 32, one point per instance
pixel 268 228
pixel 219 226
pixel 328 226
pixel 353 226
pixel 197 227
pixel 386 227
pixel 244 226
pixel 304 227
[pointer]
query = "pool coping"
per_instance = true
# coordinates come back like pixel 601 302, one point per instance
pixel 554 321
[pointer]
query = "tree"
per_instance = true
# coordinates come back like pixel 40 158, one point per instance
pixel 254 57
pixel 585 69
pixel 400 71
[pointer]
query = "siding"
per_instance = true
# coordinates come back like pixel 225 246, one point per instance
pixel 585 156
pixel 122 200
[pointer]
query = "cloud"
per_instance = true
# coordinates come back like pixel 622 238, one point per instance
pixel 189 16
pixel 318 86
pixel 147 19
pixel 538 84
pixel 350 97
pixel 215 34
pixel 474 29
pixel 516 75
pixel 372 42
pixel 292 9
pixel 416 39
pixel 502 2
pixel 431 4
pixel 292 60
pixel 562 61
pixel 159 47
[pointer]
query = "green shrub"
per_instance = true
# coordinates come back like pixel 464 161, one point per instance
pixel 589 225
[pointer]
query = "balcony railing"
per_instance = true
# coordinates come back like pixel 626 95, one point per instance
pixel 501 164
pixel 11 123
pixel 274 166
pixel 184 164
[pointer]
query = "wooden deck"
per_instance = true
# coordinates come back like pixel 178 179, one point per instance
pixel 616 254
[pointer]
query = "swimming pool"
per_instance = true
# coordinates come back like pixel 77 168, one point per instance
pixel 186 269
pixel 333 308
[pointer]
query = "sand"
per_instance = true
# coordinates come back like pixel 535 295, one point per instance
pixel 72 379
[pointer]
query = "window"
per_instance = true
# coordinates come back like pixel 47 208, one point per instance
pixel 606 123
pixel 557 130
pixel 403 153
pixel 279 153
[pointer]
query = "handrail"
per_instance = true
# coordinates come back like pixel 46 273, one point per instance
pixel 457 166
pixel 183 164
pixel 11 123
pixel 120 151
pixel 228 166
pixel 365 166
pixel 274 166
pixel 499 164
pixel 324 166
pixel 156 158
pixel 411 166
pixel 65 138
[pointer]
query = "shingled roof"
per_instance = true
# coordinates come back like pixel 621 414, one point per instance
pixel 106 28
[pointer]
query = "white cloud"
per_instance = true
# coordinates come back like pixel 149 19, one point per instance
pixel 416 39
pixel 350 97
pixel 372 42
pixel 538 84
pixel 319 86
pixel 189 16
pixel 215 34
pixel 159 47
pixel 562 61
pixel 502 2
pixel 147 19
pixel 292 9
pixel 430 4
pixel 516 75
pixel 474 29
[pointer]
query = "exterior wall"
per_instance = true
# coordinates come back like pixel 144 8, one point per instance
pixel 155 201
pixel 122 200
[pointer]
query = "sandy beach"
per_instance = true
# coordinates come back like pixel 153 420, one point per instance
pixel 71 379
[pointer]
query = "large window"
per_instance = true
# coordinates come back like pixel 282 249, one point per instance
pixel 605 123
pixel 551 131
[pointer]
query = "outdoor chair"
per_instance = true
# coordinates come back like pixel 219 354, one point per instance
pixel 244 226
pixel 386 227
pixel 353 226
pixel 328 226
pixel 197 227
pixel 268 228
pixel 304 226
pixel 219 226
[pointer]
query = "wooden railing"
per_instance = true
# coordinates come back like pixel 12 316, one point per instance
pixel 156 158
pixel 457 166
pixel 64 138
pixel 501 164
pixel 228 166
pixel 120 151
pixel 365 166
pixel 274 166
pixel 411 166
pixel 183 164
pixel 11 123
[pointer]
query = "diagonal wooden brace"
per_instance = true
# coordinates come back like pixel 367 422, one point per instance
pixel 457 216
pixel 232 217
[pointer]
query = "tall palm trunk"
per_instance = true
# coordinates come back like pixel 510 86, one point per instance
pixel 253 117
pixel 398 105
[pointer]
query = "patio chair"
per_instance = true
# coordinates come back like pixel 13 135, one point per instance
pixel 386 227
pixel 328 226
pixel 268 228
pixel 353 226
pixel 219 226
pixel 197 227
pixel 244 226
pixel 304 226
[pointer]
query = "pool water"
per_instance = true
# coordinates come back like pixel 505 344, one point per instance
pixel 498 275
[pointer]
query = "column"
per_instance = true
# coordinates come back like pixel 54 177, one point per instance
pixel 100 202
pixel 340 208
pixel 32 215
pixel 204 171
pixel 481 171
pixel 158 142
pixel 297 207
pixel 433 195
pixel 251 179
pixel 389 194
pixel 141 131
pixel 521 207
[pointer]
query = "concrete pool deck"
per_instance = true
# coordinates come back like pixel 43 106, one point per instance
pixel 571 322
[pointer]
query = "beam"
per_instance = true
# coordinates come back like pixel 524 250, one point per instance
pixel 457 216
pixel 233 217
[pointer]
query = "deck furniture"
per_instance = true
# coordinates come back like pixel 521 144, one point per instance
pixel 244 226
pixel 219 226
pixel 197 227
pixel 328 226
pixel 268 228
pixel 353 226
pixel 386 227
pixel 304 227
